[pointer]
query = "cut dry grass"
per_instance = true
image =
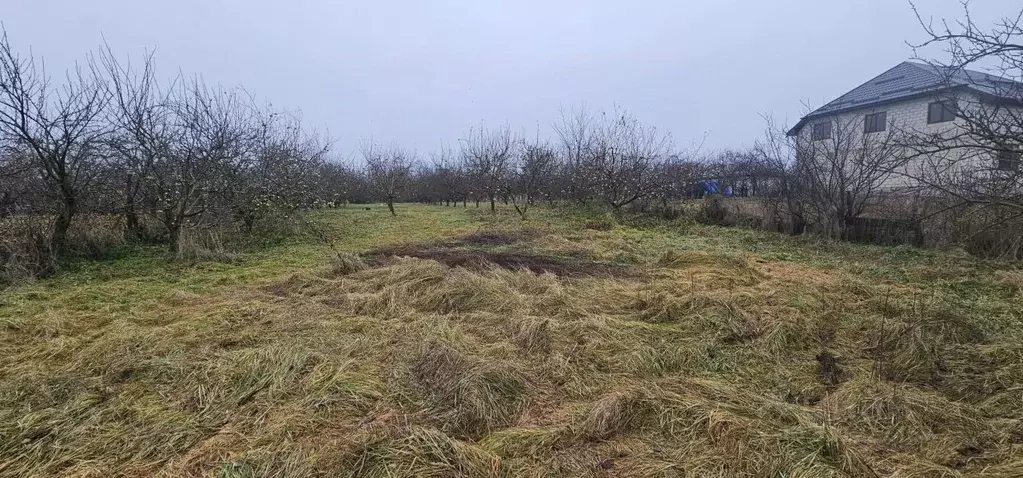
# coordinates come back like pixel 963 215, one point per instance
pixel 471 398
pixel 718 353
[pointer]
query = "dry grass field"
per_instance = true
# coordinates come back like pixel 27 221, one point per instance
pixel 461 344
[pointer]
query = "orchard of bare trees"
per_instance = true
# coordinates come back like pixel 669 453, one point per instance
pixel 110 152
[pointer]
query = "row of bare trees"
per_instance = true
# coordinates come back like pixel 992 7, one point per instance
pixel 168 157
pixel 827 187
pixel 609 159
pixel 165 159
pixel 113 139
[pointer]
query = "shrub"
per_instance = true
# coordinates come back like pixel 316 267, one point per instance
pixel 203 246
pixel 96 237
pixel 713 210
pixel 25 250
pixel 599 225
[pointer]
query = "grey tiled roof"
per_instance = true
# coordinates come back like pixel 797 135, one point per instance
pixel 908 79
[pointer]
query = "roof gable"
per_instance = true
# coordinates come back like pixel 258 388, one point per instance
pixel 909 79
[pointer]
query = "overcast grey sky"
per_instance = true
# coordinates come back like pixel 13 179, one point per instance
pixel 422 72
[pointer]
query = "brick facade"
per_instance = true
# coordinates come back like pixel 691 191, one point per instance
pixel 903 116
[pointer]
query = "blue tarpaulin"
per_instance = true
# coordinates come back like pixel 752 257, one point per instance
pixel 711 186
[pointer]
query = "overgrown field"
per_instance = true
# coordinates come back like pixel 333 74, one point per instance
pixel 464 344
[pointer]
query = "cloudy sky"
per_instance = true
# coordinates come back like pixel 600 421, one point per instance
pixel 421 73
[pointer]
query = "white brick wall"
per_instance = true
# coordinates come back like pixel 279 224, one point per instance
pixel 910 116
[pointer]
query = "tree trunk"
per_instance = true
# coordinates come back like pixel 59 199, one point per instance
pixel 493 205
pixel 249 222
pixel 174 237
pixel 60 229
pixel 6 204
pixel 174 222
pixel 390 206
pixel 521 210
pixel 132 225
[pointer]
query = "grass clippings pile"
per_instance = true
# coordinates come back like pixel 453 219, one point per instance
pixel 709 353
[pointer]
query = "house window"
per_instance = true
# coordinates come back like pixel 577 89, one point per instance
pixel 941 112
pixel 821 131
pixel 876 122
pixel 1008 160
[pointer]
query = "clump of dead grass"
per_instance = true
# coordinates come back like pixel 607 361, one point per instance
pixel 345 263
pixel 534 336
pixel 906 416
pixel 1011 278
pixel 472 397
pixel 415 451
pixel 616 412
pixel 524 442
pixel 561 245
pixel 710 271
pixel 204 246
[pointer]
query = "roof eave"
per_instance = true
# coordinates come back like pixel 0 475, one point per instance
pixel 797 128
pixel 821 114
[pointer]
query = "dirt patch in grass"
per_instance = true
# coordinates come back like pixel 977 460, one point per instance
pixel 493 238
pixel 599 225
pixel 457 254
pixel 479 260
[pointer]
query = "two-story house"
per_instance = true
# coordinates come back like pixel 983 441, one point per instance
pixel 874 125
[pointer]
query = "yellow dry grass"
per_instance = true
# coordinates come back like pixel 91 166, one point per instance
pixel 718 353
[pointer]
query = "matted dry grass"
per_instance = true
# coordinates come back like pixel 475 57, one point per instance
pixel 702 361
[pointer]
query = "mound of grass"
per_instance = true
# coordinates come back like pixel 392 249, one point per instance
pixel 472 397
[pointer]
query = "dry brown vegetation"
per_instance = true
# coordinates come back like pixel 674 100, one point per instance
pixel 695 351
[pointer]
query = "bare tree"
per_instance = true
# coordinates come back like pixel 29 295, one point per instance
pixel 179 144
pixel 621 161
pixel 213 131
pixel 776 153
pixel 839 170
pixel 276 173
pixel 576 133
pixel 60 128
pixel 388 170
pixel 451 176
pixel 142 139
pixel 973 166
pixel 533 167
pixel 487 156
